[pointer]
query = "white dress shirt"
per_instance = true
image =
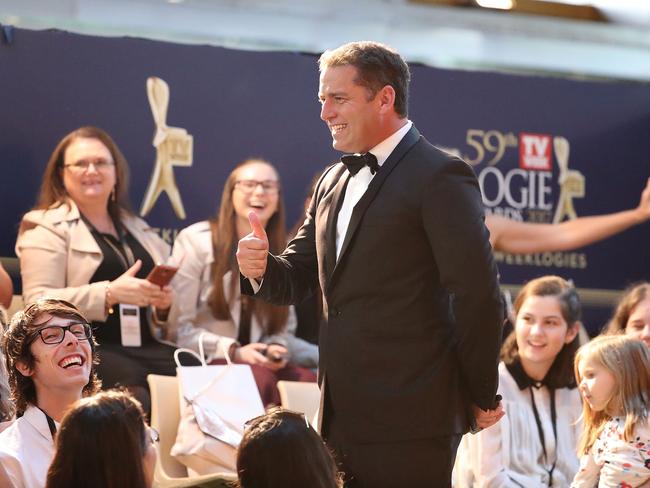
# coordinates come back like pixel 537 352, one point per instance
pixel 358 183
pixel 26 450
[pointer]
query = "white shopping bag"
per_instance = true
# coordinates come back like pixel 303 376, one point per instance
pixel 215 402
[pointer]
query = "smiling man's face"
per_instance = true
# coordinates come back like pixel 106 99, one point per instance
pixel 351 113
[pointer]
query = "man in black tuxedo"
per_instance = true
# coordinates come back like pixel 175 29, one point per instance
pixel 396 238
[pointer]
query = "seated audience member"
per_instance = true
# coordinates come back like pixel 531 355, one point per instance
pixel 6 288
pixel 51 357
pixel 534 443
pixel 207 285
pixel 103 442
pixel 632 316
pixel 281 450
pixel 511 236
pixel 82 243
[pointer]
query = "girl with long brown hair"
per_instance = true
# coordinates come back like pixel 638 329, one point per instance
pixel 207 285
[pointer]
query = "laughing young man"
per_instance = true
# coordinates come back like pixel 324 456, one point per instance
pixel 51 357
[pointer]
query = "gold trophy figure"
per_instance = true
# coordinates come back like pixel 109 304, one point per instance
pixel 174 147
pixel 572 182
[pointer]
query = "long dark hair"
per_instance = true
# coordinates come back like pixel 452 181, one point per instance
pixel 101 443
pixel 53 192
pixel 561 373
pixel 280 450
pixel 224 243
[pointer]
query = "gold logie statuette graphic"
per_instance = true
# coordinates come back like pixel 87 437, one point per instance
pixel 174 147
pixel 571 182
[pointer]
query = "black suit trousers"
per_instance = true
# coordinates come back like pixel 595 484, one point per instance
pixel 414 463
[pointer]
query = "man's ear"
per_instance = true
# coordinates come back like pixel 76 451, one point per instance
pixel 23 369
pixel 386 97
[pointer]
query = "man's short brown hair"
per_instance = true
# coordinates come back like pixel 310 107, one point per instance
pixel 377 64
pixel 19 336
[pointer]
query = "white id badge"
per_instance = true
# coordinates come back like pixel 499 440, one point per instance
pixel 130 325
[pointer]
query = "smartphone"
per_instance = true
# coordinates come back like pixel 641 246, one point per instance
pixel 276 358
pixel 162 274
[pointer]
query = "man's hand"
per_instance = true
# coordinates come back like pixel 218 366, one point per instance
pixel 487 418
pixel 253 249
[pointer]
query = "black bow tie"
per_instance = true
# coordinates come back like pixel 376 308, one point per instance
pixel 354 162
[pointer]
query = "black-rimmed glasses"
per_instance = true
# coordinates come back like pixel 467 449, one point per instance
pixel 249 186
pixel 54 334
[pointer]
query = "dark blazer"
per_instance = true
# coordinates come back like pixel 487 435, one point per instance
pixel 412 304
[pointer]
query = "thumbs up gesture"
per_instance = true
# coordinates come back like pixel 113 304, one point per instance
pixel 253 249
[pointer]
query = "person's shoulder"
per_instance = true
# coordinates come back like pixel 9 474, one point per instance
pixel 198 237
pixel 51 216
pixel 435 159
pixel 12 437
pixel 57 220
pixel 196 229
pixel 199 234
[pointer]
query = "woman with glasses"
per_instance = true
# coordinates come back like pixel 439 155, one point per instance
pixel 207 285
pixel 104 442
pixel 50 358
pixel 82 243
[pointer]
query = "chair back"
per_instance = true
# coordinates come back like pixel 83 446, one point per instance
pixel 165 415
pixel 300 396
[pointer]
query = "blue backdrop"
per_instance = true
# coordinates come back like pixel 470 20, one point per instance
pixel 516 131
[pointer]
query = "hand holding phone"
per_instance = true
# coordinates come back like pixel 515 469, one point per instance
pixel 274 355
pixel 162 274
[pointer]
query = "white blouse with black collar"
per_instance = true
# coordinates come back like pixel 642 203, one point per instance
pixel 511 452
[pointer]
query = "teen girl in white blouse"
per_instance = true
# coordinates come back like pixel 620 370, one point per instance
pixel 534 444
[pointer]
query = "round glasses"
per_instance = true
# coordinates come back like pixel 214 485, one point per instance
pixel 83 165
pixel 249 186
pixel 54 334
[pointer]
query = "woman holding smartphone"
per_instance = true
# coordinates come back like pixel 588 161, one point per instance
pixel 82 243
pixel 207 286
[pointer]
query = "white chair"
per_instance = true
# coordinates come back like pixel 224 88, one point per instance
pixel 300 396
pixel 165 415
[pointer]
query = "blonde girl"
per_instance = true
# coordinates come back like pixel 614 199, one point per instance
pixel 613 373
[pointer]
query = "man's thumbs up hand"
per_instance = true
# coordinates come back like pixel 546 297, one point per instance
pixel 253 249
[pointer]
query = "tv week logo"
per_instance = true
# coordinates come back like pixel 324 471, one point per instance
pixel 535 152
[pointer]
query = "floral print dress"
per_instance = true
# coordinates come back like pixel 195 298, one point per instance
pixel 613 462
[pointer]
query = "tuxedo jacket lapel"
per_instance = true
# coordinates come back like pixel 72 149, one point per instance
pixel 411 137
pixel 330 229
